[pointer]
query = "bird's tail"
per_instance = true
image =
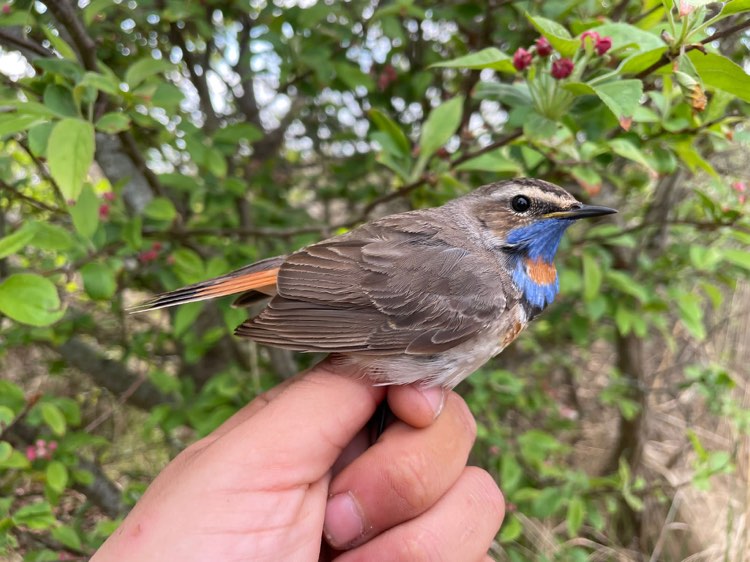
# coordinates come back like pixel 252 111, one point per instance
pixel 258 277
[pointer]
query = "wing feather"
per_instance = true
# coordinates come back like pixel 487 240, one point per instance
pixel 397 285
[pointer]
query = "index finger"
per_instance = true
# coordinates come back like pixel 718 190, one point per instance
pixel 297 435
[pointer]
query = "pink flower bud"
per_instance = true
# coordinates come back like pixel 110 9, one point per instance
pixel 103 211
pixel 562 68
pixel 109 196
pixel 543 47
pixel 589 33
pixel 6 9
pixel 31 453
pixel 156 246
pixel 603 44
pixel 739 186
pixel 521 59
pixel 52 446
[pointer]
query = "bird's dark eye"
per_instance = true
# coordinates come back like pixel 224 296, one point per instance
pixel 520 203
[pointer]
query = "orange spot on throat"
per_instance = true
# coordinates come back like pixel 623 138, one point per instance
pixel 540 271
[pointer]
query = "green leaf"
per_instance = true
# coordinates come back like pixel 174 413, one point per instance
pixel 48 236
pixel 6 449
pixel 440 125
pixel 587 178
pixel 621 97
pixel 692 158
pixel 558 36
pixel 85 213
pixel 160 209
pixel 238 132
pixel 67 536
pixel 102 82
pixel 144 68
pixel 185 317
pixel 59 99
pixel 721 73
pixel 740 258
pixel 691 314
pixel 575 516
pixel 216 163
pixel 735 7
pixel 539 127
pixel 511 530
pixel 57 476
pixel 39 138
pixel 30 299
pixel 512 95
pixel 13 242
pixel 112 123
pixel 98 281
pixel 188 265
pixel 626 284
pixel 36 515
pixel 493 161
pixel 70 152
pixel 628 150
pixel 490 57
pixel 12 123
pixel 168 96
pixel 53 417
pixel 626 35
pixel 391 128
pixel 58 43
pixel 592 277
pixel 641 61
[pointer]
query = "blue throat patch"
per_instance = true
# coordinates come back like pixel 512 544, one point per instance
pixel 537 241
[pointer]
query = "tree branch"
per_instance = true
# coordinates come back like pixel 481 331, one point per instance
pixel 66 14
pixel 22 43
pixel 667 57
pixel 110 374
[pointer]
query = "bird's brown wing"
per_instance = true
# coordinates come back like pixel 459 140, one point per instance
pixel 392 286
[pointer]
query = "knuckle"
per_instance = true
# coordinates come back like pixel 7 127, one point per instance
pixel 419 547
pixel 407 476
pixel 488 497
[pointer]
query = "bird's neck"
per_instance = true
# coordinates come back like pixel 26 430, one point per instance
pixel 533 250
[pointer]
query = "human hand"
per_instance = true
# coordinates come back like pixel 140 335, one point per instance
pixel 294 465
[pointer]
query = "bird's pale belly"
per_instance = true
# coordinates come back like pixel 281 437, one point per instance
pixel 445 369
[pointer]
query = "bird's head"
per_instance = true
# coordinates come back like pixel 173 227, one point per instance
pixel 530 216
pixel 527 219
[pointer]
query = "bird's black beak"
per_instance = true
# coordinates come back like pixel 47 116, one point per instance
pixel 580 211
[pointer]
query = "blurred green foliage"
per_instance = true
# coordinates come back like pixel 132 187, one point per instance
pixel 150 144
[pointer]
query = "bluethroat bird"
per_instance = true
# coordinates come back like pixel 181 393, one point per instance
pixel 423 296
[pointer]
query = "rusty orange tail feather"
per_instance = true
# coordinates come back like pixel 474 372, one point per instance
pixel 259 277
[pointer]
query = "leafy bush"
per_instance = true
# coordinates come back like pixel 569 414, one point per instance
pixel 150 145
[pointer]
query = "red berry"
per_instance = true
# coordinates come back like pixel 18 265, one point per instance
pixel 603 44
pixel 543 47
pixel 562 68
pixel 521 59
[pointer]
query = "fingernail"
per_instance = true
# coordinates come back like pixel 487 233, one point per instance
pixel 435 396
pixel 343 521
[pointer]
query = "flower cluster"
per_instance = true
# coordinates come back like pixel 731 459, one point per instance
pixel 561 67
pixel 152 254
pixel 41 449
